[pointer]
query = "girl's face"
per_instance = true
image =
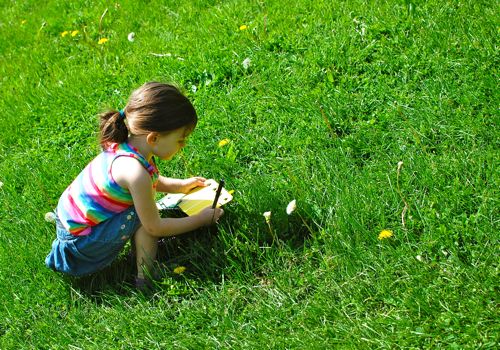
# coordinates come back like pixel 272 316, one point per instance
pixel 166 145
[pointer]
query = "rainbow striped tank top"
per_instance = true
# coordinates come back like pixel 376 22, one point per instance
pixel 94 196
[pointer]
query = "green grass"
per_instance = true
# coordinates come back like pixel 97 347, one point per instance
pixel 337 93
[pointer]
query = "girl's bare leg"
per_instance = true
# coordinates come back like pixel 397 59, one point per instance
pixel 146 247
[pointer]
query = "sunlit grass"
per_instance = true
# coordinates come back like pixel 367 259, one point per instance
pixel 380 119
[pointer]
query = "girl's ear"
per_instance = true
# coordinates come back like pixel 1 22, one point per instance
pixel 151 138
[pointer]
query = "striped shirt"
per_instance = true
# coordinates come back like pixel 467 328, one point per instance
pixel 94 196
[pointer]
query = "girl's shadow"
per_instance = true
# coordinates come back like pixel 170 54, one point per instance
pixel 116 278
pixel 204 253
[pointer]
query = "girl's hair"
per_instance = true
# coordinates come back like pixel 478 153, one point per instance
pixel 153 107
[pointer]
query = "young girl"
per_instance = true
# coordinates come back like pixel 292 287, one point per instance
pixel 113 198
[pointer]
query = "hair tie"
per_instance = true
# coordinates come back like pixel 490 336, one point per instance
pixel 122 114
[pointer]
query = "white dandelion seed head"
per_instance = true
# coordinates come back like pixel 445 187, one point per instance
pixel 290 208
pixel 246 63
pixel 131 37
pixel 50 217
pixel 267 216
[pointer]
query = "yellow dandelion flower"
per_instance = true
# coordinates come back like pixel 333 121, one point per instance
pixel 230 192
pixel 179 270
pixel 74 33
pixel 224 142
pixel 385 234
pixel 103 41
pixel 243 27
pixel 63 34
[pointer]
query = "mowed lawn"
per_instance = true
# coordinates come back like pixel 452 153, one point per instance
pixel 380 118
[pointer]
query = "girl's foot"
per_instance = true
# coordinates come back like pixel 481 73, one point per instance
pixel 144 285
pixel 147 283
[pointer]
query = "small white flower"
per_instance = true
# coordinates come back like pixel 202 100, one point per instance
pixel 246 63
pixel 290 208
pixel 50 217
pixel 267 216
pixel 168 54
pixel 419 258
pixel 131 37
pixel 194 88
pixel 1 184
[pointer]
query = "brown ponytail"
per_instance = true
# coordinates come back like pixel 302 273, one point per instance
pixel 112 128
pixel 153 107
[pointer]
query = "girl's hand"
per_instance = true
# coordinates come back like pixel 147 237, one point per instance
pixel 209 216
pixel 193 182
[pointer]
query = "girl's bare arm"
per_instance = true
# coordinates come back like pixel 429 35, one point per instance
pixel 129 173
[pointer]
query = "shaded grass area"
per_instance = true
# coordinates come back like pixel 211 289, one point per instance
pixel 335 96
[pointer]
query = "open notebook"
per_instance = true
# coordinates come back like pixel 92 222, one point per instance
pixel 195 201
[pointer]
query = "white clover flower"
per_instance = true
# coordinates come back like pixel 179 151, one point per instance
pixel 419 258
pixel 131 37
pixel 246 63
pixel 290 208
pixel 267 216
pixel 50 217
pixel 194 88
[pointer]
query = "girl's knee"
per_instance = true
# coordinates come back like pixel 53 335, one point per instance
pixel 142 236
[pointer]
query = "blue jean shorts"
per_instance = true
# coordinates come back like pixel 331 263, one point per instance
pixel 83 255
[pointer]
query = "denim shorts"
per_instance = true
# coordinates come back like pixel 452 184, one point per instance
pixel 83 255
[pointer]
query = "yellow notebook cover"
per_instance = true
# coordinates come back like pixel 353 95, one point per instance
pixel 195 201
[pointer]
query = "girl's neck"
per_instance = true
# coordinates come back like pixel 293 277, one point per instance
pixel 140 143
